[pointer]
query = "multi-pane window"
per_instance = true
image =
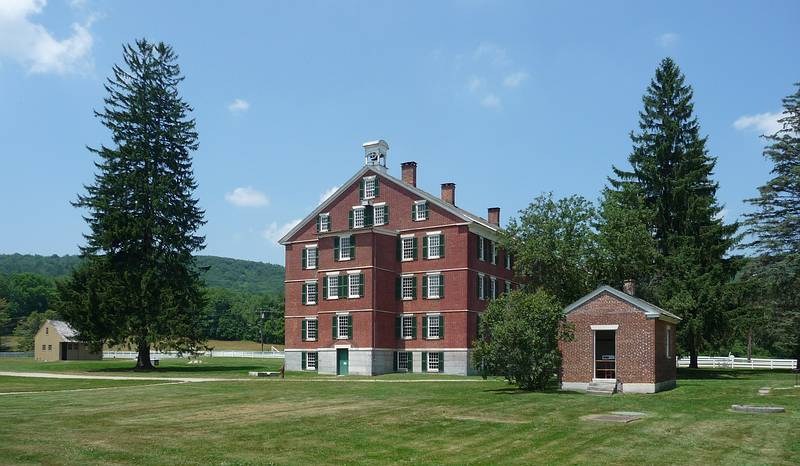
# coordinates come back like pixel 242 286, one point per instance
pixel 434 327
pixel 435 285
pixel 408 329
pixel 311 361
pixel 344 248
pixel 493 289
pixel 493 247
pixel 354 285
pixel 310 257
pixel 380 212
pixel 310 293
pixel 420 211
pixel 402 361
pixel 508 260
pixel 408 249
pixel 333 286
pixel 480 248
pixel 408 287
pixel 433 362
pixel 358 217
pixel 508 286
pixel 369 188
pixel 310 330
pixel 324 223
pixel 343 327
pixel 434 246
pixel 481 286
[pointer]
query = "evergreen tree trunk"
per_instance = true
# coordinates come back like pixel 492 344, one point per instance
pixel 692 351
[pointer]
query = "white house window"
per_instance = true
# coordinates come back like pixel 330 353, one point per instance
pixel 420 210
pixel 666 342
pixel 508 260
pixel 408 249
pixel 369 187
pixel 494 252
pixel 408 327
pixel 402 361
pixel 379 214
pixel 343 327
pixel 434 246
pixel 311 361
pixel 358 217
pixel 434 286
pixel 434 326
pixel 311 293
pixel 493 282
pixel 324 223
pixel 508 286
pixel 344 248
pixel 354 285
pixel 312 330
pixel 480 248
pixel 333 286
pixel 433 362
pixel 311 257
pixel 408 288
pixel 481 286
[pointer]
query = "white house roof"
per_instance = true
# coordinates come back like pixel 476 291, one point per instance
pixel 64 329
pixel 651 310
pixel 458 212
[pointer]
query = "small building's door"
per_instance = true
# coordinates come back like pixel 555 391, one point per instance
pixel 342 361
pixel 605 354
pixel 62 351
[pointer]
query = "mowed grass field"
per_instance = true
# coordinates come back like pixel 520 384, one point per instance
pixel 309 419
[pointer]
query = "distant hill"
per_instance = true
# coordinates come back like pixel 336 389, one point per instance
pixel 224 272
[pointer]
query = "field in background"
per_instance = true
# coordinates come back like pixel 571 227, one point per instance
pixel 309 419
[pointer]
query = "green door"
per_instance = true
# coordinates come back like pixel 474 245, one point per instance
pixel 342 356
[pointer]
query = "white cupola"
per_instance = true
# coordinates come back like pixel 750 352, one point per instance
pixel 375 153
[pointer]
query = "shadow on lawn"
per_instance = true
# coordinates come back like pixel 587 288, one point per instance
pixel 726 374
pixel 181 369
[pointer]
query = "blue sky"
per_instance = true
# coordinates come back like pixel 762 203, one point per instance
pixel 506 99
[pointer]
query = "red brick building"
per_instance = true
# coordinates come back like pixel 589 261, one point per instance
pixel 621 342
pixel 385 277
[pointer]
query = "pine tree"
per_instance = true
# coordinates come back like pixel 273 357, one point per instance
pixel 139 284
pixel 671 173
pixel 775 225
pixel 5 319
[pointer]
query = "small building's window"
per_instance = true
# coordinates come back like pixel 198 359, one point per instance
pixel 310 257
pixel 44 347
pixel 481 286
pixel 433 362
pixel 402 361
pixel 47 330
pixel 408 287
pixel 333 286
pixel 324 223
pixel 408 327
pixel 311 361
pixel 381 214
pixel 355 285
pixel 409 248
pixel 435 286
pixel 420 211
pixel 434 327
pixel 310 293
pixel 345 248
pixel 49 347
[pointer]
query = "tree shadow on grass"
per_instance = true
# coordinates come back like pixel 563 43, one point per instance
pixel 726 374
pixel 180 369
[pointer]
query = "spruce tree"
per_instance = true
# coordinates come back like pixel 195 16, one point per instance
pixel 671 172
pixel 775 226
pixel 139 284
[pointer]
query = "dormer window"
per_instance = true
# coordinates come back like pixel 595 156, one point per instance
pixel 324 223
pixel 420 211
pixel 369 188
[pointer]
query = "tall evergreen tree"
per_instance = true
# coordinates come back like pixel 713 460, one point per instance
pixel 671 172
pixel 775 225
pixel 139 284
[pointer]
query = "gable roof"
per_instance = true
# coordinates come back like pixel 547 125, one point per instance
pixel 651 310
pixel 64 329
pixel 457 211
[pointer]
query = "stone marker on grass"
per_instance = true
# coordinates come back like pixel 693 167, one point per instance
pixel 623 417
pixel 758 409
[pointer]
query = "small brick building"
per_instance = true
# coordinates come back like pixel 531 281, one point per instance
pixel 619 339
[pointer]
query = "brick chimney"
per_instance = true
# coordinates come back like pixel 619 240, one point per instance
pixel 494 216
pixel 629 287
pixel 449 193
pixel 409 172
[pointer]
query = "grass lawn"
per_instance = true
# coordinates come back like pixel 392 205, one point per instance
pixel 339 420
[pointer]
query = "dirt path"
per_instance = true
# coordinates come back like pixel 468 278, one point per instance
pixel 55 375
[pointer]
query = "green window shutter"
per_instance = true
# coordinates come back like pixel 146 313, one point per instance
pixel 441 362
pixel 377 187
pixel 414 248
pixel 304 260
pixel 394 363
pixel 343 291
pixel 487 285
pixel 361 190
pixel 352 246
pixel 424 327
pixel 441 286
pixel 398 324
pixel 335 326
pixel 304 300
pixel 441 326
pixel 441 246
pixel 413 328
pixel 478 286
pixel 303 363
pixel 424 287
pixel 397 287
pixel 318 221
pixel 368 216
pixel 386 214
pixel 410 357
pixel 335 248
pixel 361 285
pixel 413 287
pixel 424 361
pixel 413 211
pixel 350 219
pixel 304 332
pixel 324 287
pixel 425 247
pixel 399 248
pixel 478 243
pixel 426 210
pixel 349 327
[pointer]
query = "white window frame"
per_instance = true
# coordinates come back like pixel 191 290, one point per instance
pixel 309 248
pixel 508 286
pixel 438 237
pixel 363 212
pixel 438 277
pixel 341 326
pixel 481 246
pixel 508 260
pixel 403 279
pixel 417 210
pixel 666 341
pixel 342 248
pixel 325 226
pixel 309 302
pixel 410 248
pixel 377 219
pixel 369 184
pixel 407 318
pixel 334 289
pixel 353 280
pixel 404 353
pixel 308 329
pixel 494 252
pixel 493 287
pixel 309 367
pixel 482 286
pixel 437 318
pixel 430 366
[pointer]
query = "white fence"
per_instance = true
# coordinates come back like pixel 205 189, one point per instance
pixel 740 363
pixel 275 354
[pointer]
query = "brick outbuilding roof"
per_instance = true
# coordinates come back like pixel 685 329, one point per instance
pixel 651 310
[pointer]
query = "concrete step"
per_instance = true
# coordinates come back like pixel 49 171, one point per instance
pixel 602 388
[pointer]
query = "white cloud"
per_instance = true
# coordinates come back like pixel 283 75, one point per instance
pixel 491 101
pixel 247 196
pixel 273 232
pixel 491 52
pixel 765 123
pixel 324 196
pixel 474 84
pixel 515 79
pixel 32 45
pixel 668 39
pixel 239 105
